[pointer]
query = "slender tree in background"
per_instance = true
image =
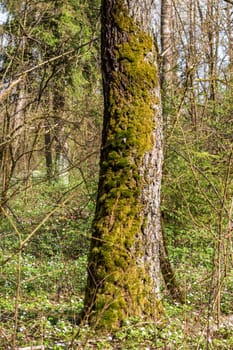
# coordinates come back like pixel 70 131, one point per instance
pixel 123 269
pixel 167 44
pixel 167 91
pixel 212 28
pixel 167 56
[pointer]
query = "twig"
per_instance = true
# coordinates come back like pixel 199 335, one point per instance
pixel 7 91
pixel 229 2
pixel 67 53
pixel 35 347
pixel 30 235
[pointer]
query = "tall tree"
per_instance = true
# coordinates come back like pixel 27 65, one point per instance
pixel 123 268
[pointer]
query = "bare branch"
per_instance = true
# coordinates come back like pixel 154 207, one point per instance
pixel 67 53
pixel 8 90
pixel 229 1
pixel 35 347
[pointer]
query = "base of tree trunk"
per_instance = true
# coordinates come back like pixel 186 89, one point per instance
pixel 168 274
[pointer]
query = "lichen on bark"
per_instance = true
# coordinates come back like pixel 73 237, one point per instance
pixel 119 281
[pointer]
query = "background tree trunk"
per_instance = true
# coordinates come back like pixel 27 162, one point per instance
pixel 61 147
pixel 212 32
pixel 229 32
pixel 123 269
pixel 167 76
pixel 48 149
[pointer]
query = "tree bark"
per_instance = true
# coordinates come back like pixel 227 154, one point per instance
pixel 123 268
pixel 167 76
pixel 212 32
pixel 229 21
pixel 61 147
pixel 48 149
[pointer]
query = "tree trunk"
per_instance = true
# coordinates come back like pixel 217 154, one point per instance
pixel 6 164
pixel 61 147
pixel 167 76
pixel 48 149
pixel 229 21
pixel 168 272
pixel 212 31
pixel 123 269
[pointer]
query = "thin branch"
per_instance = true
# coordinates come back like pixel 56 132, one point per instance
pixel 34 231
pixel 67 53
pixel 229 1
pixel 35 347
pixel 21 75
pixel 8 90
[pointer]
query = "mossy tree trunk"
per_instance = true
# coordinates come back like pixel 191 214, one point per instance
pixel 123 269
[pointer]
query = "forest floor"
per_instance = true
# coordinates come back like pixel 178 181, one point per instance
pixel 41 289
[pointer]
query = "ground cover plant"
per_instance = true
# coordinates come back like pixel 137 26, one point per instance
pixel 53 276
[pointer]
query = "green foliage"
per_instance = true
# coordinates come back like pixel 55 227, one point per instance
pixel 66 232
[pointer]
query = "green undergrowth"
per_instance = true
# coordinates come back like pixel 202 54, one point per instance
pixel 53 277
pixel 51 298
pixel 53 324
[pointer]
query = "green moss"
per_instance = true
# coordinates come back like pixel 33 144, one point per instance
pixel 122 20
pixel 124 288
